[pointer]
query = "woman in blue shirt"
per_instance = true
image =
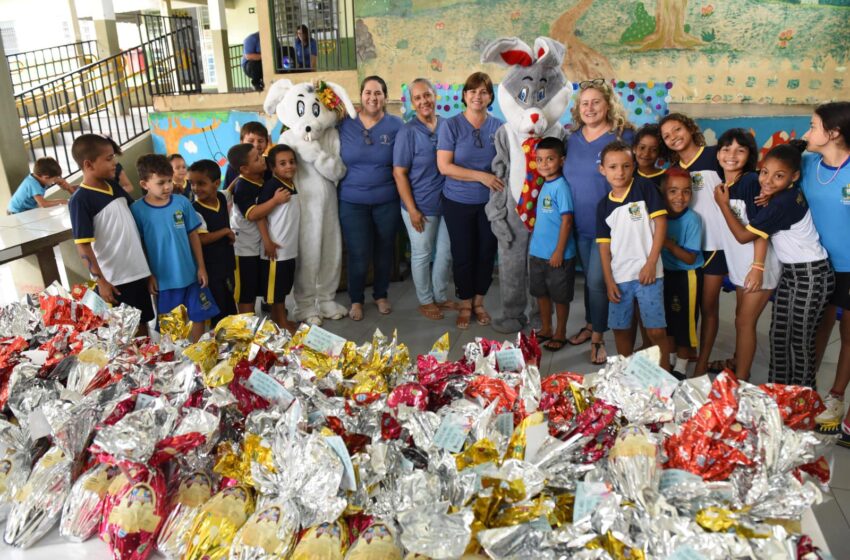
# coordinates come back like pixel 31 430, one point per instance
pixel 465 152
pixel 598 119
pixel 420 186
pixel 305 57
pixel 368 199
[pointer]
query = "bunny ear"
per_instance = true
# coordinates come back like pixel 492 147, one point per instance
pixel 343 95
pixel 276 93
pixel 549 52
pixel 508 51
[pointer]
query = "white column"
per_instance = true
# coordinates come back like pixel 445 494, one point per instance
pixel 221 50
pixel 105 29
pixel 73 21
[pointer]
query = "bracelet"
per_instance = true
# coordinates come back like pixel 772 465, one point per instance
pixel 758 263
pixel 757 267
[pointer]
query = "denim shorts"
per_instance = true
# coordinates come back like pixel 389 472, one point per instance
pixel 650 298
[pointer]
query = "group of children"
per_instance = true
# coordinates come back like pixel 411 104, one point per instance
pixel 208 250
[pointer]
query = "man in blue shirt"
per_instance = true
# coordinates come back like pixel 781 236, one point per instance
pixel 252 61
pixel 169 226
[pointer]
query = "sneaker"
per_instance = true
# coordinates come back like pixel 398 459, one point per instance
pixel 829 421
pixel 844 440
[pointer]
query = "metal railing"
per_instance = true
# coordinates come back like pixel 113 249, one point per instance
pixel 331 25
pixel 241 82
pixel 111 96
pixel 30 68
pixel 172 50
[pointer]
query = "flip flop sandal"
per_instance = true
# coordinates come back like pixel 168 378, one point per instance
pixel 481 315
pixel 580 333
pixel 463 317
pixel 558 342
pixel 595 347
pixel 541 338
pixel 431 311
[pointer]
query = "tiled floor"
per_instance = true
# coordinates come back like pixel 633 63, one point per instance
pixel 419 334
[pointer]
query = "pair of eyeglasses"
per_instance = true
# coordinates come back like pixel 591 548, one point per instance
pixel 476 137
pixel 366 138
pixel 589 83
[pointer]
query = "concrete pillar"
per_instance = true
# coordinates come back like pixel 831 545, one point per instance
pixel 221 50
pixel 165 8
pixel 105 29
pixel 267 42
pixel 74 21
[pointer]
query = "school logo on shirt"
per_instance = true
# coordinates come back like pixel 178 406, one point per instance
pixel 737 211
pixel 385 139
pixel 634 211
pixel 205 301
pixel 845 194
pixel 697 182
pixel 547 203
pixel 179 222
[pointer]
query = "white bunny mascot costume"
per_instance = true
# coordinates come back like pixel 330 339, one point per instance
pixel 310 112
pixel 533 96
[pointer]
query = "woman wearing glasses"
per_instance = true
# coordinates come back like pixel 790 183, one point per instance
pixel 598 119
pixel 465 152
pixel 420 186
pixel 368 199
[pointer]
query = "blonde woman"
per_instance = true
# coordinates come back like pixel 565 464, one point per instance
pixel 598 119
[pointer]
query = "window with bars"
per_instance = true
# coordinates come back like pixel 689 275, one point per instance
pixel 331 26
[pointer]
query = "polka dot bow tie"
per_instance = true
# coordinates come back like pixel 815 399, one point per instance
pixel 527 204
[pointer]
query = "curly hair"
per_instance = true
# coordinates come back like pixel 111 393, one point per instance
pixel 616 116
pixel 687 122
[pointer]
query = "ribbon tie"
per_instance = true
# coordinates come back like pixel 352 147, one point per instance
pixel 526 206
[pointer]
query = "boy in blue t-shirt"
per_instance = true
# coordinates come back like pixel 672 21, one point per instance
pixel 683 261
pixel 30 193
pixel 631 226
pixel 552 250
pixel 169 226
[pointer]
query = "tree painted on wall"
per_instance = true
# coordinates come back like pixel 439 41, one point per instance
pixel 670 30
pixel 582 62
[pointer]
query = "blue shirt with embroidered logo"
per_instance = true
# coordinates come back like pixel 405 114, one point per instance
pixel 685 230
pixel 554 202
pixel 827 190
pixel 473 149
pixel 165 234
pixel 368 158
pixel 416 150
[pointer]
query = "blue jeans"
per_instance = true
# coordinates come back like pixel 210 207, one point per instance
pixel 431 283
pixel 595 293
pixel 369 234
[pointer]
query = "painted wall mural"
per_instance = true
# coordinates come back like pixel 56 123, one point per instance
pixel 746 51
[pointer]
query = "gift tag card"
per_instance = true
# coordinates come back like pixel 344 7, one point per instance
pixel 541 524
pixel 267 387
pixel 505 423
pixel 534 438
pixel 37 357
pixel 675 477
pixel 452 433
pixel 588 496
pixel 510 359
pixel 440 355
pixel 644 374
pixel 144 401
pixel 324 341
pixel 348 482
pixel 38 425
pixel 96 303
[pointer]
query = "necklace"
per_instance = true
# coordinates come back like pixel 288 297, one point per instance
pixel 834 175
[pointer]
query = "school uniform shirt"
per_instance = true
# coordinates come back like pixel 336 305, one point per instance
pixel 581 170
pixel 24 197
pixel 218 256
pixel 283 221
pixel 686 231
pixel 555 202
pixel 473 149
pixel 627 224
pixel 654 177
pixel 231 175
pixel 705 176
pixel 368 158
pixel 165 232
pixel 245 196
pixel 739 256
pixel 103 218
pixel 787 221
pixel 827 190
pixel 416 150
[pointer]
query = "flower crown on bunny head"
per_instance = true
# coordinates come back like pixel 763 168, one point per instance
pixel 307 109
pixel 329 98
pixel 535 92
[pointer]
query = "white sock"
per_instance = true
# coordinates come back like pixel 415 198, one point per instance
pixel 681 365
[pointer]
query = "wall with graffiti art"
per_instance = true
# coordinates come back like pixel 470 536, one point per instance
pixel 746 51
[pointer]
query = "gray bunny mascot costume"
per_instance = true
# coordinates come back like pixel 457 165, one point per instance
pixel 533 96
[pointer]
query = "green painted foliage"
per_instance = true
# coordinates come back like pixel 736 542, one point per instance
pixel 642 25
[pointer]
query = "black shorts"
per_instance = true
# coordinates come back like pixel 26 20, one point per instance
pixel 841 296
pixel 278 277
pixel 222 291
pixel 682 293
pixel 554 283
pixel 715 263
pixel 247 279
pixel 136 294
